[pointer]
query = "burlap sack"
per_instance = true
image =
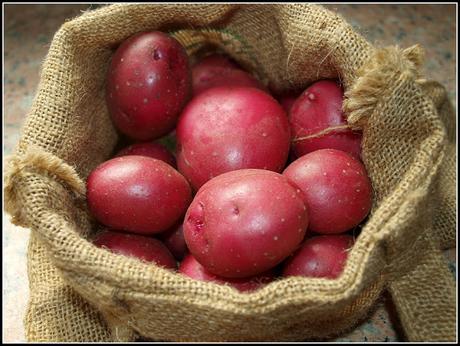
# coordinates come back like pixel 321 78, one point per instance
pixel 83 293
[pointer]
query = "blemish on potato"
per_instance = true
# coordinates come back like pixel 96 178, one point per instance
pixel 156 54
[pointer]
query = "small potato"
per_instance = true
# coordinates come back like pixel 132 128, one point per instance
pixel 217 70
pixel 245 222
pixel 149 149
pixel 336 189
pixel 320 257
pixel 137 194
pixel 148 83
pixel 193 269
pixel 317 109
pixel 134 245
pixel 225 129
pixel 175 241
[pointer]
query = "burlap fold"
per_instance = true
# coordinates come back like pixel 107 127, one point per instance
pixel 80 292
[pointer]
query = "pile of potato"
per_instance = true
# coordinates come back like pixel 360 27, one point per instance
pixel 265 185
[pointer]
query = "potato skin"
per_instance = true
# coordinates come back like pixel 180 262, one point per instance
pixel 336 189
pixel 318 108
pixel 320 256
pixel 193 269
pixel 133 245
pixel 245 222
pixel 149 149
pixel 148 83
pixel 137 194
pixel 225 129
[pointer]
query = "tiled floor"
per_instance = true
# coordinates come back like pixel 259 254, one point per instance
pixel 28 33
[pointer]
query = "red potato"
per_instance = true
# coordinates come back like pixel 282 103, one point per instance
pixel 138 246
pixel 321 257
pixel 148 83
pixel 225 129
pixel 149 149
pixel 137 194
pixel 175 241
pixel 217 71
pixel 336 189
pixel 245 222
pixel 317 109
pixel 193 269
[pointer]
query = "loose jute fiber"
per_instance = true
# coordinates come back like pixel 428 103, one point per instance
pixel 79 292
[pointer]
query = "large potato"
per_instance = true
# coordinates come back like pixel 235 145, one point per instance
pixel 245 222
pixel 148 83
pixel 225 129
pixel 137 194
